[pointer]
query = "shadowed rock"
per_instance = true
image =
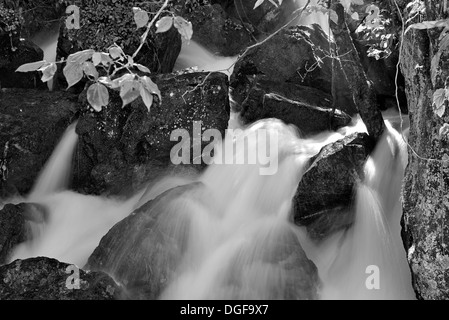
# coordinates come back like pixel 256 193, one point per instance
pixel 49 279
pixel 327 187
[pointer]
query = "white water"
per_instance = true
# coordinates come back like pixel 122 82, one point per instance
pixel 75 223
pixel 243 220
pixel 48 40
pixel 193 55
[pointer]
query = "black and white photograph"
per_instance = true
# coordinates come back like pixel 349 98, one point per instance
pixel 225 155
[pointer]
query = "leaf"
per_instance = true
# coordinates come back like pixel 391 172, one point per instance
pixel 444 131
pixel 164 24
pixel 147 97
pixel 116 83
pixel 142 68
pixel 140 17
pixel 116 52
pixel 333 16
pixel 33 66
pixel 258 3
pixel 73 73
pixel 96 58
pixel 439 98
pixel 80 56
pixel 129 91
pixel 90 70
pixel 443 45
pixel 98 96
pixel 184 27
pixel 150 86
pixel 355 16
pixel 48 71
pixel 428 25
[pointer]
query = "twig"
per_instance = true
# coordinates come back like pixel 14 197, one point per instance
pixel 149 26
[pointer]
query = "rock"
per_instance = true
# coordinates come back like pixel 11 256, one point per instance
pixel 31 124
pixel 296 55
pixel 105 23
pixel 25 52
pixel 157 237
pixel 124 148
pixel 213 28
pixel 13 227
pixel 327 187
pixel 310 113
pixel 143 251
pixel 425 227
pixel 272 266
pixel 48 279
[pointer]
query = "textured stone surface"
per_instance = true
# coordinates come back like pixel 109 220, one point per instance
pixel 425 193
pixel 124 148
pixel 31 124
pixel 143 251
pixel 327 187
pixel 10 60
pixel 47 279
pixel 296 55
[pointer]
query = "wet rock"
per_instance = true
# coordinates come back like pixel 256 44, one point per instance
pixel 143 251
pixel 275 255
pixel 327 187
pixel 214 28
pixel 310 113
pixel 13 227
pixel 425 228
pixel 297 55
pixel 31 124
pixel 121 148
pixel 49 279
pixel 24 51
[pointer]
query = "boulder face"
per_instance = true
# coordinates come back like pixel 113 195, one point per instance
pixel 305 112
pixel 49 279
pixel 297 56
pixel 425 191
pixel 14 228
pixel 325 193
pixel 126 148
pixel 31 124
pixel 24 52
pixel 159 238
pixel 143 251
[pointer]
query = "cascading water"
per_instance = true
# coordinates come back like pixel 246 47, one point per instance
pixel 241 242
pixel 74 223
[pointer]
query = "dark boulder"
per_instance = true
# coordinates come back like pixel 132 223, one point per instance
pixel 143 251
pixel 12 56
pixel 49 279
pixel 309 112
pixel 273 252
pixel 122 149
pixel 157 239
pixel 14 228
pixel 31 124
pixel 326 190
pixel 297 55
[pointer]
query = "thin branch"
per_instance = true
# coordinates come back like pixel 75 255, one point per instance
pixel 149 26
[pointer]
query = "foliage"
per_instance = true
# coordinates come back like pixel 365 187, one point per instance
pixel 10 21
pixel 37 15
pixel 112 62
